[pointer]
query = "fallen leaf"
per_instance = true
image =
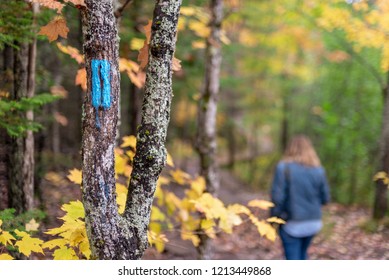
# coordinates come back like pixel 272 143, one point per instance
pixel 262 204
pixel 32 225
pixel 6 257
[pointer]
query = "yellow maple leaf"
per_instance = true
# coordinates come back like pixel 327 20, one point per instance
pixel 188 11
pixel 32 225
pixel 85 249
pixel 74 210
pixel 382 175
pixel 75 176
pixel 6 257
pixel 6 238
pixel 59 242
pixel 121 193
pixel 169 160
pixel 275 220
pixel 28 244
pixel 136 44
pixel 56 27
pixel 198 185
pixel 180 176
pixel 129 141
pixel 65 253
pixel 262 204
pixel 80 79
pixel 156 214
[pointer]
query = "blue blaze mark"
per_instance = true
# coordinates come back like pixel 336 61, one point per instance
pixel 101 94
pixel 106 77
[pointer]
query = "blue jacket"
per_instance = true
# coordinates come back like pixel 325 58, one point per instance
pixel 299 191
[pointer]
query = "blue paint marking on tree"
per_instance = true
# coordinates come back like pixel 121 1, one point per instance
pixel 106 77
pixel 101 86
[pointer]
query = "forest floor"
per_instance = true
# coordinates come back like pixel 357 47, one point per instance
pixel 347 234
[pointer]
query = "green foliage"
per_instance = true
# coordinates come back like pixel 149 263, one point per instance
pixel 15 22
pixel 12 221
pixel 12 113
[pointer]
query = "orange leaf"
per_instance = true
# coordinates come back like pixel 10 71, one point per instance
pixel 61 119
pixel 55 28
pixel 176 64
pixel 59 91
pixel 73 52
pixel 81 78
pixel 51 4
pixel 76 2
pixel 143 56
pixel 147 30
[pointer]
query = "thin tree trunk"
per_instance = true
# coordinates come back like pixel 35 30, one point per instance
pixel 7 85
pixel 28 161
pixel 111 235
pixel 381 199
pixel 206 144
pixel 207 110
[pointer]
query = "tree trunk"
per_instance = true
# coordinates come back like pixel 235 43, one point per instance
pixel 7 85
pixel 207 110
pixel 381 199
pixel 28 160
pixel 111 235
pixel 17 144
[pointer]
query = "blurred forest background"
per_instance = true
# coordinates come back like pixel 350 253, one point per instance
pixel 288 66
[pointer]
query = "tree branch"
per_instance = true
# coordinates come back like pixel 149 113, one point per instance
pixel 118 13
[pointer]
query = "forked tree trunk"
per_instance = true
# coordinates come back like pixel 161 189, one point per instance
pixel 207 109
pixel 111 235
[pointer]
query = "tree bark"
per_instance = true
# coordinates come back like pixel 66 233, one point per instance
pixel 381 198
pixel 7 85
pixel 206 133
pixel 206 144
pixel 111 235
pixel 17 144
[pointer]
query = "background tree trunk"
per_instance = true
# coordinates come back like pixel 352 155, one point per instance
pixel 17 179
pixel 207 110
pixel 381 198
pixel 113 236
pixel 7 85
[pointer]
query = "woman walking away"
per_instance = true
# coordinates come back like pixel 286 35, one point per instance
pixel 298 191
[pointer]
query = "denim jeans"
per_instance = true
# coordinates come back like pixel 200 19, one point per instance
pixel 295 248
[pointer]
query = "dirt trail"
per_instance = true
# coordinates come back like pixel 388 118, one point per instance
pixel 342 236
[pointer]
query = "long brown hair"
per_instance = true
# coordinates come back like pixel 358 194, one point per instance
pixel 300 150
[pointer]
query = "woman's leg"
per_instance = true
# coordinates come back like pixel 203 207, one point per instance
pixel 292 245
pixel 305 242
